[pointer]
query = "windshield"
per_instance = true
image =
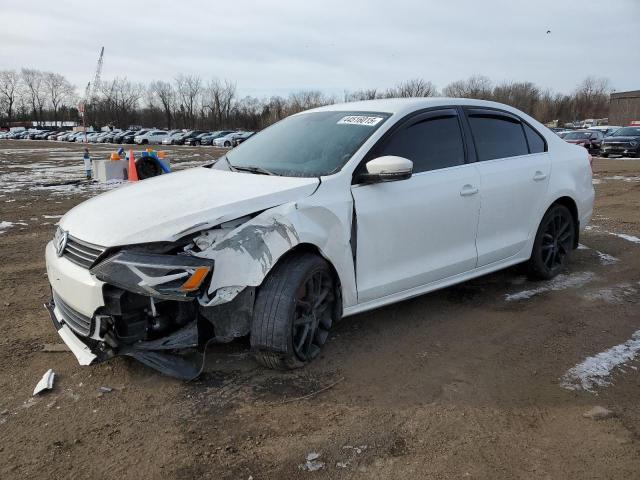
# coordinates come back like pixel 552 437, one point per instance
pixel 309 144
pixel 577 135
pixel 627 132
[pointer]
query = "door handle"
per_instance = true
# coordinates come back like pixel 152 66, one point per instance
pixel 468 190
pixel 539 176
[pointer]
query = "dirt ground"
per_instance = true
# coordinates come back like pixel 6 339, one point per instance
pixel 461 383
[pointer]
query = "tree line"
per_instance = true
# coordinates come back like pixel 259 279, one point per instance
pixel 188 101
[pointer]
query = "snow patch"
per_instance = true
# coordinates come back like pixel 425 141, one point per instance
pixel 624 236
pixel 595 371
pixel 615 294
pixel 561 282
pixel 606 259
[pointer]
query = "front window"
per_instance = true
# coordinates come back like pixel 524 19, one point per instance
pixel 627 132
pixel 307 145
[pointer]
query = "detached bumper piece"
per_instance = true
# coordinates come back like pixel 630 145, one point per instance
pixel 153 353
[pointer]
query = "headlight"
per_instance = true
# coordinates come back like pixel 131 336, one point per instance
pixel 634 143
pixel 172 277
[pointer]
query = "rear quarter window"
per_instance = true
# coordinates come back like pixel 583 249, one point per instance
pixel 536 141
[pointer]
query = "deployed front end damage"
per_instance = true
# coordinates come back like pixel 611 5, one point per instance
pixel 201 289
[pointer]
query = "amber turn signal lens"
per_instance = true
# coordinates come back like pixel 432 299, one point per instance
pixel 195 280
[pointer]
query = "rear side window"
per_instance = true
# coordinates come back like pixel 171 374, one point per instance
pixel 497 137
pixel 536 141
pixel 431 144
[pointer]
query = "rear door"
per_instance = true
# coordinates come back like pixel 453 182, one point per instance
pixel 416 231
pixel 514 168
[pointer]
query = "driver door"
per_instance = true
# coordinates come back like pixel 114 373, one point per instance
pixel 417 231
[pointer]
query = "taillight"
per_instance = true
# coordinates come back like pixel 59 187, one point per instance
pixel 590 162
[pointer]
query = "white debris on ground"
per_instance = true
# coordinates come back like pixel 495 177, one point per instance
pixel 583 247
pixel 312 463
pixel 45 383
pixel 595 371
pixel 561 282
pixel 4 225
pixel 619 293
pixel 598 413
pixel 606 259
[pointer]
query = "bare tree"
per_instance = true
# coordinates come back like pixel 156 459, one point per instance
pixel 219 100
pixel 120 100
pixel 359 95
pixel 9 91
pixel 521 95
pixel 189 89
pixel 592 98
pixel 416 87
pixel 166 95
pixel 33 82
pixel 59 90
pixel 477 86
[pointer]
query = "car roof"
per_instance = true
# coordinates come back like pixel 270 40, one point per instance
pixel 407 105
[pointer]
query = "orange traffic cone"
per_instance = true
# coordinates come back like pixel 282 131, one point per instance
pixel 133 173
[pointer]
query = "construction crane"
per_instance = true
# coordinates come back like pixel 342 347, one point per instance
pixel 90 92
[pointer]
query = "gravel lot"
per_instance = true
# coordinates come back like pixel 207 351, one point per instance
pixel 489 379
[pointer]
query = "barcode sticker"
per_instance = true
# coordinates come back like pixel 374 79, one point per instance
pixel 359 120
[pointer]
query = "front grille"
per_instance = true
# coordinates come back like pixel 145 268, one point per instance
pixel 618 144
pixel 82 253
pixel 76 321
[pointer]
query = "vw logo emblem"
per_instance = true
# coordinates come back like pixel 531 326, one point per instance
pixel 61 242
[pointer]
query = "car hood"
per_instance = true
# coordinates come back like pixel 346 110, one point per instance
pixel 622 139
pixel 170 206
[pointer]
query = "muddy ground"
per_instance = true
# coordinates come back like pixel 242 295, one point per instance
pixel 461 383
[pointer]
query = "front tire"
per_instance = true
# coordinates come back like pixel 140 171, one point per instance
pixel 553 243
pixel 294 311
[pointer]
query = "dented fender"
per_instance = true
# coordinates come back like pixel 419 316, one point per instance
pixel 245 255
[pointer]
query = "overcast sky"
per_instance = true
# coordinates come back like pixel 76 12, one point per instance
pixel 279 46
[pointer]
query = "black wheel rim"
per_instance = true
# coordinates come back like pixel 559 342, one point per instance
pixel 556 241
pixel 313 312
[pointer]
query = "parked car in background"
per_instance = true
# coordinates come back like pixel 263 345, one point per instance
pixel 227 140
pixel 589 139
pixel 180 140
pixel 208 139
pixel 118 136
pixel 624 142
pixel 172 137
pixel 129 137
pixel 152 137
pixel 606 129
pixel 197 140
pixel 241 138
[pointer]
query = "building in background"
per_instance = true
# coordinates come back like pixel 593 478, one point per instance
pixel 624 108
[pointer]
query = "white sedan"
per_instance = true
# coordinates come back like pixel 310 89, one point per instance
pixel 328 213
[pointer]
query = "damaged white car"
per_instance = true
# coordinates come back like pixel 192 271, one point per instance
pixel 328 213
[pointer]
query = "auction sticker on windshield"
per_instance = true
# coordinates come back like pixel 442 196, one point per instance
pixel 359 120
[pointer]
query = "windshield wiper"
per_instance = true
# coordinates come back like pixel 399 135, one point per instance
pixel 253 169
pixel 231 167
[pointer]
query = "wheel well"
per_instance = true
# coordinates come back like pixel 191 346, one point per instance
pixel 310 248
pixel 573 208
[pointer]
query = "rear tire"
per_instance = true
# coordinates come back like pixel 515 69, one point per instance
pixel 294 311
pixel 553 243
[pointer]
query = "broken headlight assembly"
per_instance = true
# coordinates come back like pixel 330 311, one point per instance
pixel 170 277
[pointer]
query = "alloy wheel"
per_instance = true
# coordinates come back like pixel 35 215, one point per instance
pixel 556 240
pixel 312 318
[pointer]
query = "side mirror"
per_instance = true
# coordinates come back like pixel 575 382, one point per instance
pixel 386 169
